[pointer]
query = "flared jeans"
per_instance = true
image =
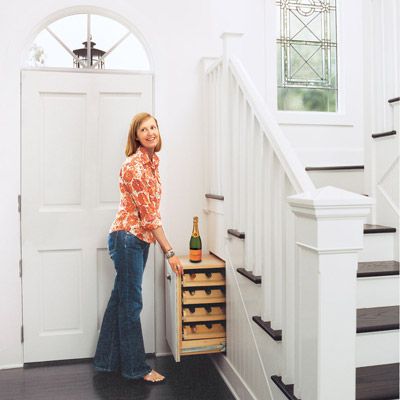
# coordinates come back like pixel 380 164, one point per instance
pixel 120 346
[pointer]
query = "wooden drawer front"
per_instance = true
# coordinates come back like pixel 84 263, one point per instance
pixel 203 346
pixel 203 331
pixel 196 314
pixel 199 296
pixel 203 279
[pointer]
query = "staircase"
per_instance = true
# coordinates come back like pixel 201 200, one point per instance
pixel 313 292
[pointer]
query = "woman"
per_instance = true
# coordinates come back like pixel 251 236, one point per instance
pixel 137 224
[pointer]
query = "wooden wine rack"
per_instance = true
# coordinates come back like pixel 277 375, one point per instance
pixel 200 307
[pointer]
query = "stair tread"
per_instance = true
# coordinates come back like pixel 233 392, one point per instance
pixel 377 319
pixel 377 382
pixel 275 334
pixel 383 134
pixel 377 268
pixel 249 275
pixel 369 228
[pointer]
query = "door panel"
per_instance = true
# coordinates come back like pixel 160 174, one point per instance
pixel 74 130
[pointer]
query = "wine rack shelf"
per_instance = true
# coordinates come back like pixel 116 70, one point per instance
pixel 195 307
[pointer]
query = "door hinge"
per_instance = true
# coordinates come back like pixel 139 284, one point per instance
pixel 22 334
pixel 20 268
pixel 19 203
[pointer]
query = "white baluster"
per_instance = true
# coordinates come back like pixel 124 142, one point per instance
pixel 215 113
pixel 235 158
pixel 221 98
pixel 242 164
pixel 277 240
pixel 249 192
pixel 230 46
pixel 288 312
pixel 268 189
pixel 258 216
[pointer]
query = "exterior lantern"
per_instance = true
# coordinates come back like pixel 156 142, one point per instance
pixel 85 53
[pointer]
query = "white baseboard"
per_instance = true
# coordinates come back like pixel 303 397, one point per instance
pixel 233 380
pixel 163 354
pixel 11 366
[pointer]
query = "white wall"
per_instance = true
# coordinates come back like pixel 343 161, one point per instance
pixel 178 33
pixel 327 138
pixel 382 77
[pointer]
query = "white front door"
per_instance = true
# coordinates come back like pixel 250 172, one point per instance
pixel 74 131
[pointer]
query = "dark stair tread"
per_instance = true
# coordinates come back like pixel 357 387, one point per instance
pixel 236 233
pixel 377 268
pixel 377 382
pixel 287 390
pixel 266 326
pixel 369 228
pixel 335 168
pixel 377 319
pixel 249 275
pixel 214 196
pixel 383 134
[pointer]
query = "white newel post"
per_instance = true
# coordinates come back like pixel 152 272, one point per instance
pixel 329 235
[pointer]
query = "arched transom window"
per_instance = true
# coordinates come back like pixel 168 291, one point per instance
pixel 88 41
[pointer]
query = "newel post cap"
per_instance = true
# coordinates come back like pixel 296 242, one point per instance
pixel 330 201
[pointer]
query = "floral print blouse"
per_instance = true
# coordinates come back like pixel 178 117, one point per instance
pixel 140 190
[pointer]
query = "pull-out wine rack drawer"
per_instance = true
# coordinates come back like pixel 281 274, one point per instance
pixel 212 278
pixel 203 313
pixel 204 331
pixel 195 307
pixel 203 296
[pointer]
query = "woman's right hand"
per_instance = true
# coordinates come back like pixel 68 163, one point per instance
pixel 176 265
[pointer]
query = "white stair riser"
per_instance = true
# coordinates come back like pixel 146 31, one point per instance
pixel 347 179
pixel 378 247
pixel 377 348
pixel 252 294
pixel 378 291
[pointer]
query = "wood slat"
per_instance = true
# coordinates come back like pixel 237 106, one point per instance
pixel 201 296
pixel 201 331
pixel 203 314
pixel 203 279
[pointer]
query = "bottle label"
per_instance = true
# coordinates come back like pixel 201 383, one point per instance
pixel 195 255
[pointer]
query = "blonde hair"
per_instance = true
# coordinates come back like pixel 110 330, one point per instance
pixel 133 143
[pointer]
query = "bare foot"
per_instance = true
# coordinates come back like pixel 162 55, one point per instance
pixel 154 376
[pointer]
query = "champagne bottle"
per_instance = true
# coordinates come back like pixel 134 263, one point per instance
pixel 195 243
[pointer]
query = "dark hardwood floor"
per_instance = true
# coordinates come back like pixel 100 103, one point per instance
pixel 194 378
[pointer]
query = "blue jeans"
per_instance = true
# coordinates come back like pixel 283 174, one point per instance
pixel 120 345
